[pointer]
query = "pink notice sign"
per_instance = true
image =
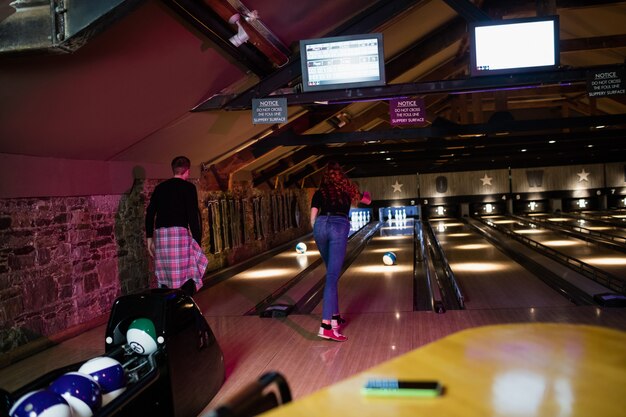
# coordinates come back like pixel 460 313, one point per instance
pixel 407 111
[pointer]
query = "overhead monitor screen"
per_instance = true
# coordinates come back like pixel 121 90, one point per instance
pixel 515 45
pixel 342 62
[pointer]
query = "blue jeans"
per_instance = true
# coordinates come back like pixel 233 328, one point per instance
pixel 331 237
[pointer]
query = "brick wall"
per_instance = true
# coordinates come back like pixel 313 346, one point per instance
pixel 64 260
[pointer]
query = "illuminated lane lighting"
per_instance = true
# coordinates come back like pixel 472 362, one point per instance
pixel 559 219
pixel 474 246
pixel 458 234
pixel 605 261
pixel 385 250
pixel 478 266
pixel 504 221
pixel 561 243
pixel 385 270
pixel 530 231
pixel 294 254
pixel 398 237
pixel 268 273
pixel 453 224
pixel 599 228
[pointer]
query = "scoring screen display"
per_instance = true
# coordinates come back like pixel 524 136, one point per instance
pixel 342 62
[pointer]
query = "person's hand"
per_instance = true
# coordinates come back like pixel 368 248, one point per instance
pixel 151 247
pixel 367 198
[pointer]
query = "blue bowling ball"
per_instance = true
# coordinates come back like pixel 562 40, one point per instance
pixel 389 258
pixel 301 247
pixel 40 403
pixel 81 392
pixel 108 373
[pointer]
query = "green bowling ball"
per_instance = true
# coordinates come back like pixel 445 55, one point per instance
pixel 141 336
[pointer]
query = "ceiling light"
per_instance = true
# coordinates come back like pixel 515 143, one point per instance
pixel 471 135
pixel 552 141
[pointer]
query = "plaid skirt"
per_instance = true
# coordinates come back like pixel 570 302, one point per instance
pixel 178 258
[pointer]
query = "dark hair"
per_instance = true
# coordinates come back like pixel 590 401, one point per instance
pixel 337 187
pixel 180 164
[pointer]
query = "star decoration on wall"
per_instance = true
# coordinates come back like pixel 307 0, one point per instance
pixel 397 187
pixel 582 176
pixel 486 180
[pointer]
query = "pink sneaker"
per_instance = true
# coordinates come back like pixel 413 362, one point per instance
pixel 330 333
pixel 337 321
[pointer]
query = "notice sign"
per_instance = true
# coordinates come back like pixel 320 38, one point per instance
pixel 407 111
pixel 606 83
pixel 269 110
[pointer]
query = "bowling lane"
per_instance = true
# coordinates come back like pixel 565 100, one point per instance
pixel 583 224
pixel 243 291
pixel 608 260
pixel 612 216
pixel 369 285
pixel 488 278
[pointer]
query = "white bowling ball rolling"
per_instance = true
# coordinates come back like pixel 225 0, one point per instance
pixel 108 373
pixel 141 336
pixel 301 247
pixel 80 391
pixel 389 258
pixel 41 403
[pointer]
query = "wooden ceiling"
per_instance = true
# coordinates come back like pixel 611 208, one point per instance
pixel 165 80
pixel 540 119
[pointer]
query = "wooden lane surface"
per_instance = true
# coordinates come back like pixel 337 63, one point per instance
pixel 591 224
pixel 501 370
pixel 489 278
pixel 243 291
pixel 609 260
pixel 370 286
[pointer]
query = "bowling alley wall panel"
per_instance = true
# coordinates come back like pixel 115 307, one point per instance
pixel 570 177
pixel 616 175
pixel 453 184
pixel 391 187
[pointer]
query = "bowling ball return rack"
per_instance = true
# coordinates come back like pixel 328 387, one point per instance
pixel 179 379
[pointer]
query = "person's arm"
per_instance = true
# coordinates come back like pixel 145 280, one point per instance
pixel 150 215
pixel 314 211
pixel 151 247
pixel 193 215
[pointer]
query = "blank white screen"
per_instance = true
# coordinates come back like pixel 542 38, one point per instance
pixel 517 45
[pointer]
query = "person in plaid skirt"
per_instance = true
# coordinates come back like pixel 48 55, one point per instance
pixel 174 231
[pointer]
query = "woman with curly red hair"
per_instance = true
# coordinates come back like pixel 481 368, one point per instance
pixel 329 217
